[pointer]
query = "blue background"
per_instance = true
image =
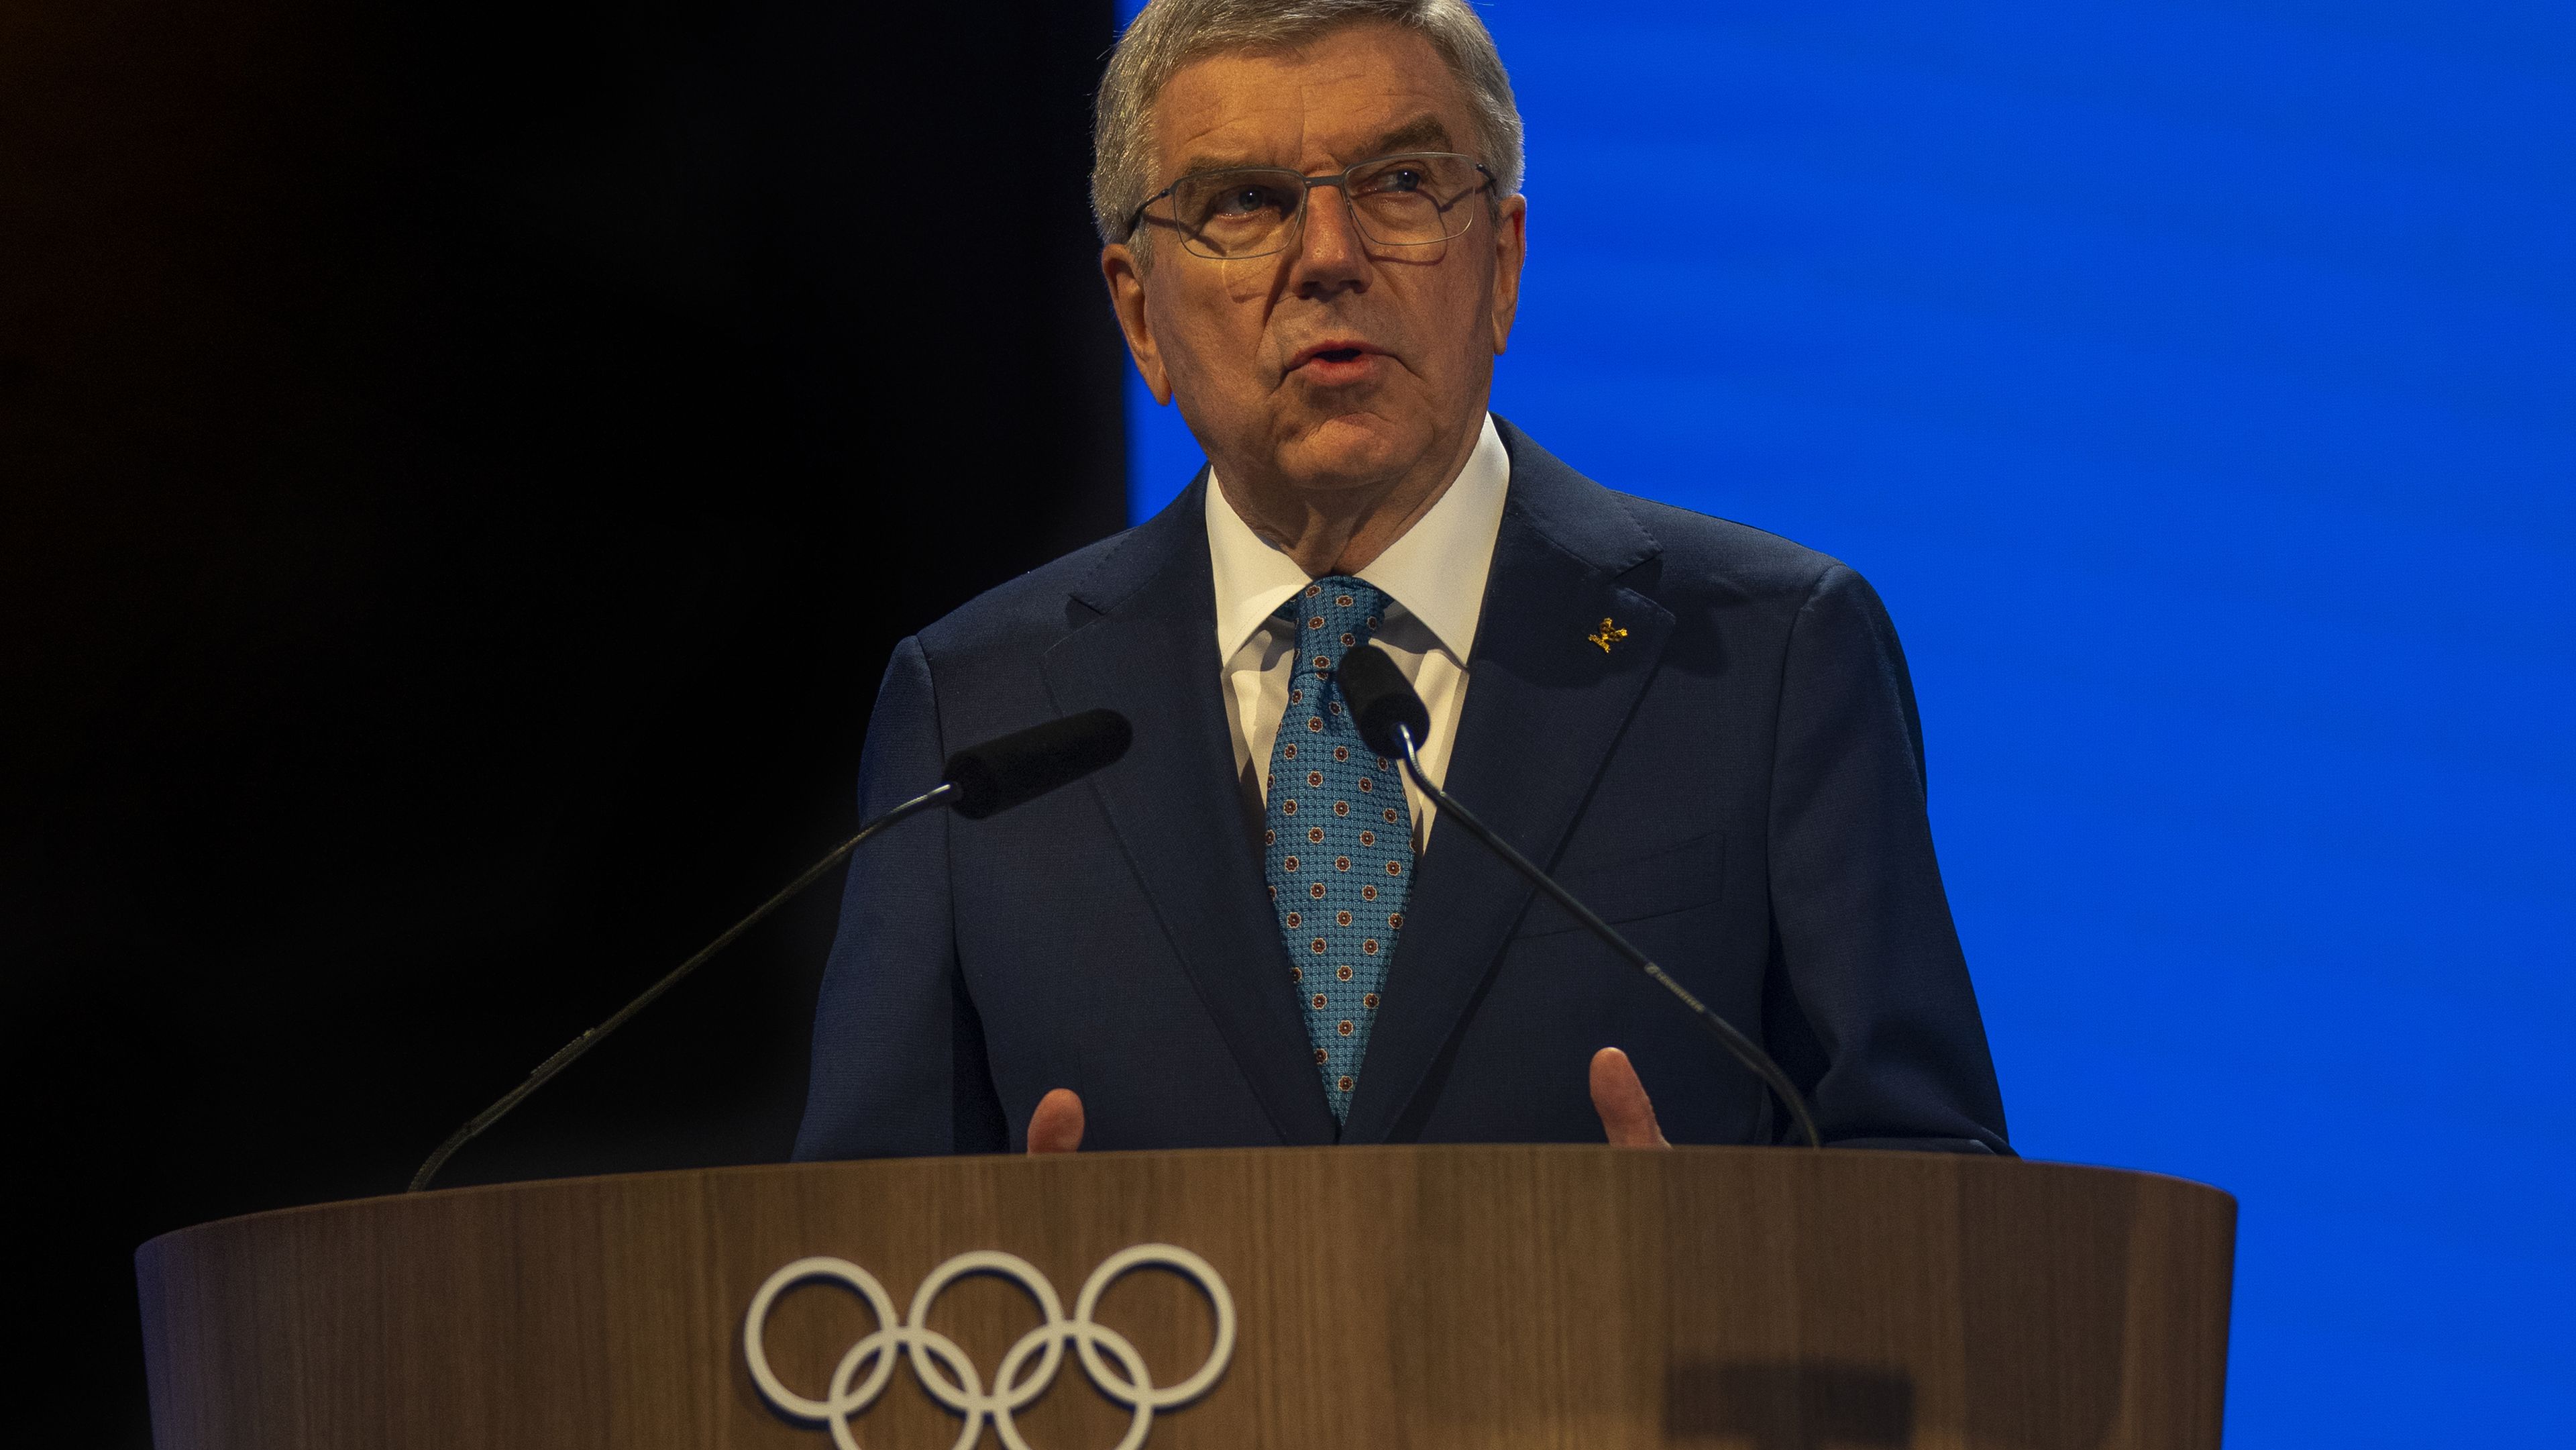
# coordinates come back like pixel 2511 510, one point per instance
pixel 2196 383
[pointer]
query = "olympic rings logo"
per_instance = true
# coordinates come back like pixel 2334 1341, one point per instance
pixel 958 1385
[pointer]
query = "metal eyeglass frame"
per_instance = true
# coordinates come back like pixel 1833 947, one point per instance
pixel 1295 229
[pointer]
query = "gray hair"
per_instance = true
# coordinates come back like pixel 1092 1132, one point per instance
pixel 1170 34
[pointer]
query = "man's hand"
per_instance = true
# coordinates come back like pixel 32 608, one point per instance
pixel 1627 1114
pixel 1056 1126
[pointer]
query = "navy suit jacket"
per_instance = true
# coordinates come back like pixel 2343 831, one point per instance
pixel 1737 785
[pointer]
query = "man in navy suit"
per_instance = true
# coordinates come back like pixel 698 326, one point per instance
pixel 1314 243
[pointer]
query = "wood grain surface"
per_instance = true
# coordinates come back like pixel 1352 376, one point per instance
pixel 1500 1296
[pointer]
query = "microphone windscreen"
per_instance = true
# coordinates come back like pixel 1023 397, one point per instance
pixel 1020 767
pixel 1380 698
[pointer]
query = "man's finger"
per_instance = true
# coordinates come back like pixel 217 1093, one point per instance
pixel 1627 1114
pixel 1056 1126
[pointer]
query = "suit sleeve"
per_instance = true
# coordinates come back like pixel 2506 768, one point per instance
pixel 899 1067
pixel 1878 998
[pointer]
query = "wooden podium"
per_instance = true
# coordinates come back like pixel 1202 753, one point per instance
pixel 1771 1299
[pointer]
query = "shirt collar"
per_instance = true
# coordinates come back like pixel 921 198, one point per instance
pixel 1436 572
pixel 1253 576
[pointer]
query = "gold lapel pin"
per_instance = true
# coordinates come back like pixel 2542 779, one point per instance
pixel 1609 632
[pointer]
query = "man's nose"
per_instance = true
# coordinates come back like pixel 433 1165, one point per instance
pixel 1332 255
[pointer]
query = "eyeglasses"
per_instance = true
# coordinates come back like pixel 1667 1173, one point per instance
pixel 1412 200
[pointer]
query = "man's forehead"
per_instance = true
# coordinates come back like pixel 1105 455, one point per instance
pixel 1349 94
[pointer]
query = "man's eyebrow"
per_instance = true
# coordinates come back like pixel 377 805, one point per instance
pixel 1426 134
pixel 1205 162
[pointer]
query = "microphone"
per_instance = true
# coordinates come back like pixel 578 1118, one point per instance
pixel 977 782
pixel 993 777
pixel 1391 718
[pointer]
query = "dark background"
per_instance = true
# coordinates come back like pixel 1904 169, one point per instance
pixel 462 470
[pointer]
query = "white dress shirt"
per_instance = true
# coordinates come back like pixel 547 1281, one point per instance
pixel 1434 579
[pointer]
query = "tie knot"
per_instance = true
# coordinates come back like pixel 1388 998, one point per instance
pixel 1334 615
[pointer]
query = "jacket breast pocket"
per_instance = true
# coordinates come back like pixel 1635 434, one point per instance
pixel 1637 888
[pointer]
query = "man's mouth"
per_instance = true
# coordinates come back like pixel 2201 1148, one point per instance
pixel 1336 360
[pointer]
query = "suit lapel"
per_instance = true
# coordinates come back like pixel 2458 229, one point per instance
pixel 1544 707
pixel 1150 654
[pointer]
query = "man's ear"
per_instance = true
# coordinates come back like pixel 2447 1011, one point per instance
pixel 1122 270
pixel 1511 247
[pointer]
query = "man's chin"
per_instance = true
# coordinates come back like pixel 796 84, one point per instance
pixel 1358 450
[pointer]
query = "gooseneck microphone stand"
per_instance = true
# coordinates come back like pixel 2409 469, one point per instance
pixel 977 782
pixel 1743 1048
pixel 942 794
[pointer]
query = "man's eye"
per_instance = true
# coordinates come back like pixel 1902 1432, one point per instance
pixel 1245 201
pixel 1397 180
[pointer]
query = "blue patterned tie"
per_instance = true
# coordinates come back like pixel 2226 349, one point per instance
pixel 1339 839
